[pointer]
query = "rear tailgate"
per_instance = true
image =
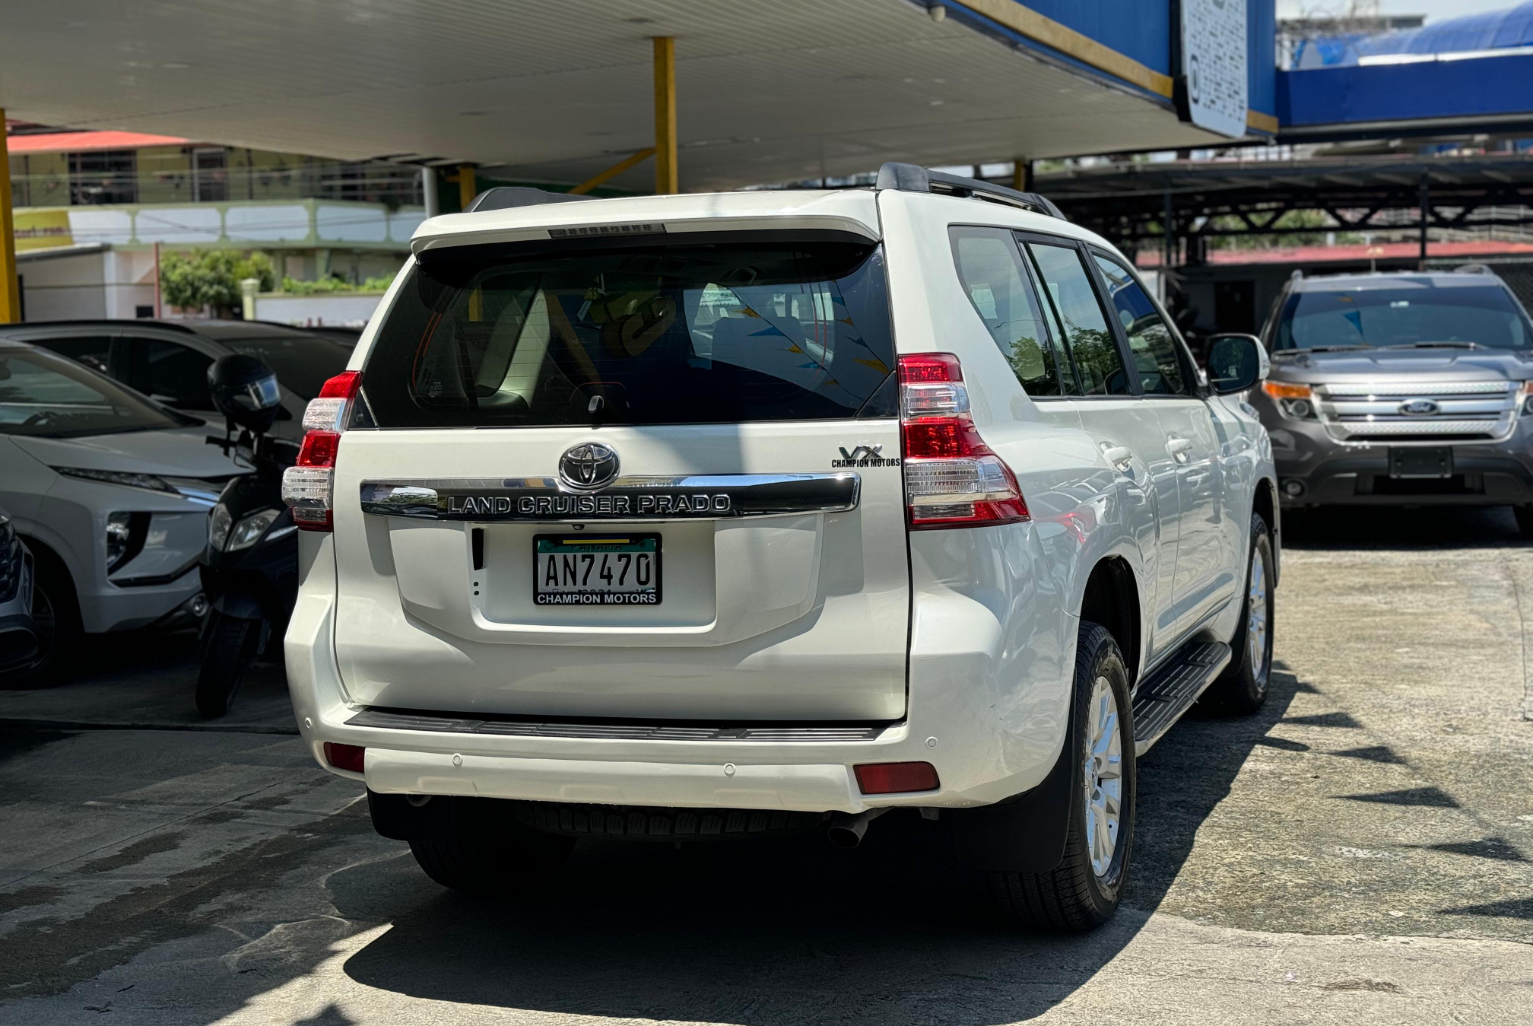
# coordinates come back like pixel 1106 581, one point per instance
pixel 649 479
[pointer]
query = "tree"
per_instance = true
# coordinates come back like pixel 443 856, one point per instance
pixel 210 278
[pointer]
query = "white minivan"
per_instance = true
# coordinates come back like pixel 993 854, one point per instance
pixel 720 515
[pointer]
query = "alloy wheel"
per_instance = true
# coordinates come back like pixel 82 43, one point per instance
pixel 1103 776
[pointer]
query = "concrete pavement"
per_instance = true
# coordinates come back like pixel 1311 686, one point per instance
pixel 1358 853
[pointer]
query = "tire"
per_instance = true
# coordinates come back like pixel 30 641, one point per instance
pixel 56 614
pixel 228 648
pixel 1081 894
pixel 1524 515
pixel 486 852
pixel 1242 688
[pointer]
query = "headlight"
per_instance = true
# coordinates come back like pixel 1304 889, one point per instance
pixel 1295 400
pixel 218 527
pixel 119 529
pixel 248 531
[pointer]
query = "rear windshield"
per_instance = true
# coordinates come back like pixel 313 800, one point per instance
pixel 301 364
pixel 47 396
pixel 634 332
pixel 1411 315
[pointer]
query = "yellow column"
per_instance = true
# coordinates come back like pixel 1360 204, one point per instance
pixel 1022 175
pixel 666 179
pixel 10 291
pixel 467 187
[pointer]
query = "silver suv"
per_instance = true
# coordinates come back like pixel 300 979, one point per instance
pixel 1401 388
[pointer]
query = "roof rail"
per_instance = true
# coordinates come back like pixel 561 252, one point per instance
pixel 505 197
pixel 1474 269
pixel 914 178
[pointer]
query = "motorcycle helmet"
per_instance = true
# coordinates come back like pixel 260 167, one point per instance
pixel 245 390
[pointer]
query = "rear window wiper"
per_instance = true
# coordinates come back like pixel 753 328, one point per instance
pixel 1449 344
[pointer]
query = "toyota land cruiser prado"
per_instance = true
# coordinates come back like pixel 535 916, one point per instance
pixel 698 516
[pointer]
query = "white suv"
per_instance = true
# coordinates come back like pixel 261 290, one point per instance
pixel 711 515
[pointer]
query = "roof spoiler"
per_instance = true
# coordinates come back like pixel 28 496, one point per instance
pixel 914 178
pixel 505 197
pixel 1474 269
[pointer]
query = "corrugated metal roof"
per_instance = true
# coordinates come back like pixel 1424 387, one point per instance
pixel 557 90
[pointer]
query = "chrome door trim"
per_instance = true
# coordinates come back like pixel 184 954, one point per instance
pixel 629 499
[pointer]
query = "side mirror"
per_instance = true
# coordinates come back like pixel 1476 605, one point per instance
pixel 1235 363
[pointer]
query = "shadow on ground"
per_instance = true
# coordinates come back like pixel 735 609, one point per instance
pixel 147 679
pixel 1399 527
pixel 790 930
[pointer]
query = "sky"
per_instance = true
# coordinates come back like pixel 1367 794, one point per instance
pixel 1435 10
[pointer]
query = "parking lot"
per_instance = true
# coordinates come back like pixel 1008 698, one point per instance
pixel 1356 853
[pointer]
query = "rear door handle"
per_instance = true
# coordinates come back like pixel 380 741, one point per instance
pixel 1118 455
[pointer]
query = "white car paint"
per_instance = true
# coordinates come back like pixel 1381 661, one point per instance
pixel 66 516
pixel 982 622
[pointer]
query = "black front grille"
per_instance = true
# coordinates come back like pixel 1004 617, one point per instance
pixel 1458 484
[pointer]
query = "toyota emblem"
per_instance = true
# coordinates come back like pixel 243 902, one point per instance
pixel 1418 407
pixel 588 467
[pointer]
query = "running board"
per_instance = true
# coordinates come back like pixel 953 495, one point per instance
pixel 1163 696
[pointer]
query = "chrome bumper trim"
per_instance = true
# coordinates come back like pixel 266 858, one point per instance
pixel 447 723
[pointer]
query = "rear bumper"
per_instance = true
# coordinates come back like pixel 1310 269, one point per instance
pixel 980 757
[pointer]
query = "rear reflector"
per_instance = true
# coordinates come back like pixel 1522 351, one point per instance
pixel 345 757
pixel 896 777
pixel 952 478
pixel 307 487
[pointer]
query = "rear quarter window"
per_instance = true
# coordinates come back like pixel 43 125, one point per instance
pixel 636 331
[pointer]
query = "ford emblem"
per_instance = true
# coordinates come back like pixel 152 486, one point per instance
pixel 1418 407
pixel 588 467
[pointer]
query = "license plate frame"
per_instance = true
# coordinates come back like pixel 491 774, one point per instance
pixel 1421 462
pixel 598 543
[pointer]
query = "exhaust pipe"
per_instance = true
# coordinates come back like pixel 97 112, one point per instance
pixel 846 831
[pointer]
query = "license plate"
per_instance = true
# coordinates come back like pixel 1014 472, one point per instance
pixel 598 570
pixel 1414 462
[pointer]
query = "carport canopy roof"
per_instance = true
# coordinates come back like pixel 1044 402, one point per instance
pixel 558 90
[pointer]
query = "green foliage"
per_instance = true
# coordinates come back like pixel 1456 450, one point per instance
pixel 309 288
pixel 211 278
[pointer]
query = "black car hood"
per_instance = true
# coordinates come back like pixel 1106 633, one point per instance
pixel 1446 364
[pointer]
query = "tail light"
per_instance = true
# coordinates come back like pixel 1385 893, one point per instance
pixel 952 478
pixel 307 487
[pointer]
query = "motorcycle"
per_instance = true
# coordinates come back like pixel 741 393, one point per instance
pixel 250 566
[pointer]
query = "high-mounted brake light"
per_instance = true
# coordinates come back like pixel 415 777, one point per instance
pixel 952 478
pixel 307 487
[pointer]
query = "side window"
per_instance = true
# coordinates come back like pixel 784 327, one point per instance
pixel 177 374
pixel 92 350
pixel 1078 314
pixel 1149 337
pixel 993 275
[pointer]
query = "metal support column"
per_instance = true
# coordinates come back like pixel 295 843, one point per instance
pixel 1022 175
pixel 1168 231
pixel 10 289
pixel 468 188
pixel 428 191
pixel 667 180
pixel 1426 215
